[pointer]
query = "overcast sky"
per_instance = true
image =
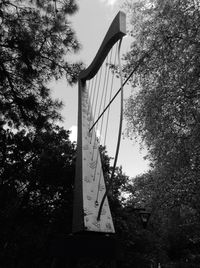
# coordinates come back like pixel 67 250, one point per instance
pixel 91 23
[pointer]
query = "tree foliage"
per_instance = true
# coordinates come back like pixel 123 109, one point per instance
pixel 36 156
pixel 35 39
pixel 164 110
pixel 36 192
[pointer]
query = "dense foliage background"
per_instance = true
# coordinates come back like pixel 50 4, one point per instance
pixel 36 156
pixel 164 111
pixel 35 39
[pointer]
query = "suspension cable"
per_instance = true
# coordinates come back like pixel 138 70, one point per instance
pixel 119 136
pixel 124 83
pixel 106 128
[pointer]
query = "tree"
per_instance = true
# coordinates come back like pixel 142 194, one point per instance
pixel 36 156
pixel 36 194
pixel 35 39
pixel 164 109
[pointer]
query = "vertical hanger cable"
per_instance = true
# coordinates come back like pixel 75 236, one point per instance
pixel 102 123
pixel 111 90
pixel 119 135
pixel 97 95
pixel 92 104
pixel 102 94
pixel 93 97
pixel 89 88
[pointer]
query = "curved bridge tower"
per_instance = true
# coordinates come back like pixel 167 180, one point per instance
pixel 90 215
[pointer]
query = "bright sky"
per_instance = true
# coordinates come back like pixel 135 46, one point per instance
pixel 91 23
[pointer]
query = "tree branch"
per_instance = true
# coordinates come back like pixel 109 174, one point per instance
pixel 16 98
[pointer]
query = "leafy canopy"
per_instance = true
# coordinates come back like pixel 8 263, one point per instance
pixel 35 39
pixel 164 110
